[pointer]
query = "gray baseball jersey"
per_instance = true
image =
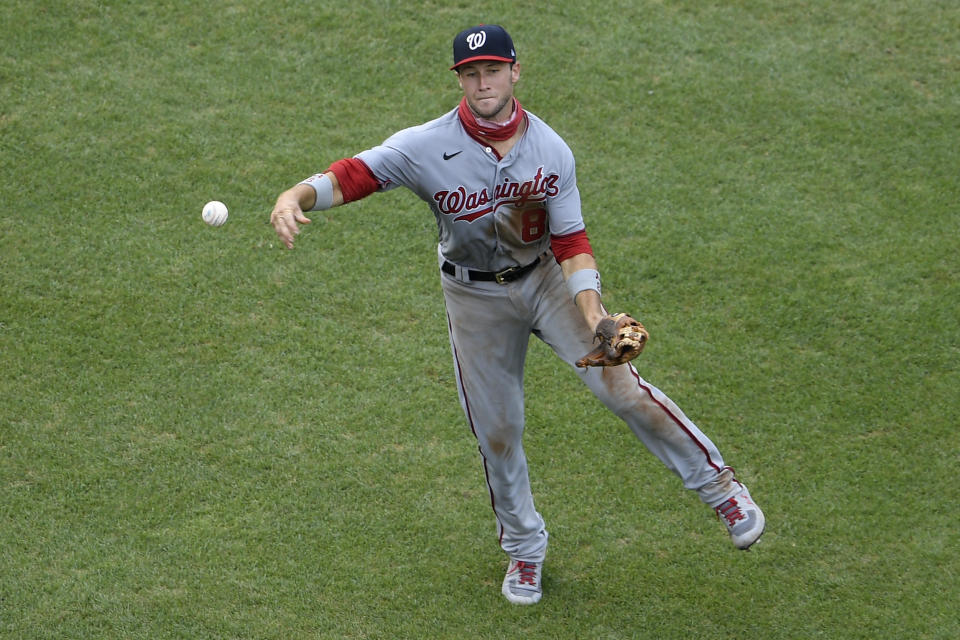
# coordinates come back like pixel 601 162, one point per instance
pixel 492 213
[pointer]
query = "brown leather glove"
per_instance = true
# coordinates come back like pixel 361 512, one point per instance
pixel 621 340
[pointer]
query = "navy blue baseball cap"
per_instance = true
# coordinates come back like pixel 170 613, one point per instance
pixel 483 42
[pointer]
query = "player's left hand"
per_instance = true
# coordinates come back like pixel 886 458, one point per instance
pixel 621 340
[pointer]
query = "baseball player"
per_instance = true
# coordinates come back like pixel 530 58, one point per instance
pixel 514 259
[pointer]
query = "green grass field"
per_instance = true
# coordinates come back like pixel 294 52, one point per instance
pixel 203 435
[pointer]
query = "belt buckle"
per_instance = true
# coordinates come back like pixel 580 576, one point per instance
pixel 501 276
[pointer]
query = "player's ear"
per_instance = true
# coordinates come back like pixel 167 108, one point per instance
pixel 515 72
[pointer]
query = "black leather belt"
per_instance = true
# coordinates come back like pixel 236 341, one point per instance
pixel 500 277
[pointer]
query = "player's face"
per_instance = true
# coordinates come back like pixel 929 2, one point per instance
pixel 488 88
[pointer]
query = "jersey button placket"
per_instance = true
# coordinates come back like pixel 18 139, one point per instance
pixel 501 165
pixel 496 202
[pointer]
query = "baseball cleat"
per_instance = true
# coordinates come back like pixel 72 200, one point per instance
pixel 522 585
pixel 743 518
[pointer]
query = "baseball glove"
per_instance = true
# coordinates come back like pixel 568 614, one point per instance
pixel 621 340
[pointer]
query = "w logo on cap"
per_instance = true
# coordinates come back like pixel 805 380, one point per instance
pixel 476 40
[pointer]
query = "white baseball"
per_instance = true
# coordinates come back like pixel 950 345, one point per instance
pixel 215 213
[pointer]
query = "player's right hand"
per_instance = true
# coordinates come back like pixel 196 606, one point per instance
pixel 286 218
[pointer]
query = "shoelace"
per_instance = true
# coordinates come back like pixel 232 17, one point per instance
pixel 528 573
pixel 731 511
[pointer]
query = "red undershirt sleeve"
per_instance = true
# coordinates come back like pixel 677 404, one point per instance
pixel 569 245
pixel 355 178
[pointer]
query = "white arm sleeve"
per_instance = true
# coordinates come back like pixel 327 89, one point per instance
pixel 324 188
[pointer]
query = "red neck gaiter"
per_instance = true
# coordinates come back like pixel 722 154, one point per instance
pixel 490 130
